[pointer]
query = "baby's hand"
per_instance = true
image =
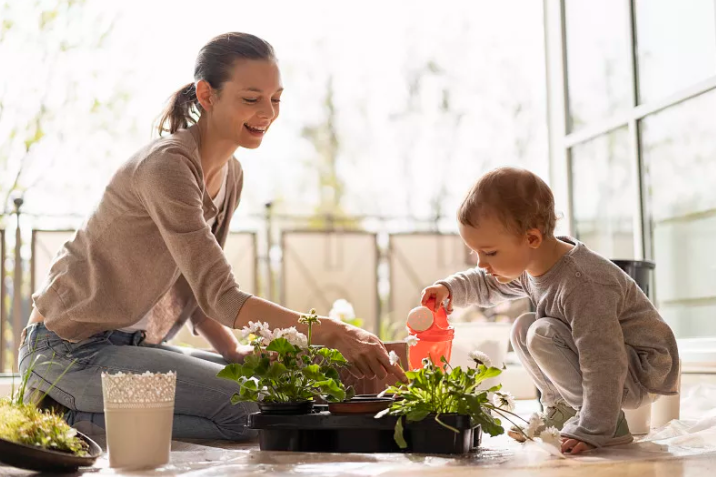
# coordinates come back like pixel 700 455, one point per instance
pixel 434 296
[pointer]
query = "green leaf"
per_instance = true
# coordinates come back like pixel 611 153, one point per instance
pixel 281 346
pixel 277 370
pixel 252 361
pixel 313 371
pixel 232 372
pixel 337 357
pixel 398 434
pixel 235 399
pixel 261 370
pixel 417 415
pixel 330 372
pixel 486 373
pixel 250 384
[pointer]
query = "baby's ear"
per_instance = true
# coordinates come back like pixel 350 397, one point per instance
pixel 534 238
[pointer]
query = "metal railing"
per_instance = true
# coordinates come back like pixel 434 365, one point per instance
pixel 277 259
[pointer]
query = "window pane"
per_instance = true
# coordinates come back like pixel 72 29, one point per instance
pixel 678 153
pixel 597 59
pixel 679 150
pixel 604 194
pixel 676 45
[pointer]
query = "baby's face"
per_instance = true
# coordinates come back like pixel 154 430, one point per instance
pixel 500 252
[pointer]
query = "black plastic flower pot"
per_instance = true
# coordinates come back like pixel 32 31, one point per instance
pixel 361 433
pixel 430 437
pixel 640 271
pixel 286 408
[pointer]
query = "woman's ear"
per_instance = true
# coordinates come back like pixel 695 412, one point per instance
pixel 204 94
pixel 534 238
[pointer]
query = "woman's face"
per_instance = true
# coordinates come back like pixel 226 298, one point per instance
pixel 248 103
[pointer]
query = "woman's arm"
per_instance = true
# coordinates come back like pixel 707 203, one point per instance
pixel 223 340
pixel 362 349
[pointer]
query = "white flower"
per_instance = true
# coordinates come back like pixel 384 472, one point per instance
pixel 427 364
pixel 342 310
pixel 551 436
pixel 394 358
pixel 299 339
pixel 480 358
pixel 292 336
pixel 258 326
pixel 255 328
pixel 412 340
pixel 266 334
pixel 504 400
pixel 534 424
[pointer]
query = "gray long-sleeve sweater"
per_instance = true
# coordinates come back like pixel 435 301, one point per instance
pixel 615 327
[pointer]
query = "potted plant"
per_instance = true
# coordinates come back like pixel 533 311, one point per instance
pixel 453 400
pixel 39 439
pixel 286 372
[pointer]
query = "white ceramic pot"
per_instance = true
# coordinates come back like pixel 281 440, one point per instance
pixel 139 412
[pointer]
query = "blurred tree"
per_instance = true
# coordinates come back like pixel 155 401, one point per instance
pixel 44 47
pixel 325 138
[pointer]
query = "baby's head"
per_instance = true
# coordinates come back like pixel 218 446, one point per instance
pixel 505 218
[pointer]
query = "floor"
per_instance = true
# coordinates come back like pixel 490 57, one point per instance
pixel 498 457
pixel 684 448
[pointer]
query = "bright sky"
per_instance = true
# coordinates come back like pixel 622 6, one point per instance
pixel 394 162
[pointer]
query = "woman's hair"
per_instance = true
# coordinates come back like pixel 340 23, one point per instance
pixel 213 65
pixel 517 197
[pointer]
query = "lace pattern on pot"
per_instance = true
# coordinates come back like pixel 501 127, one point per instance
pixel 148 390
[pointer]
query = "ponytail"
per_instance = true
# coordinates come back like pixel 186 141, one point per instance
pixel 213 65
pixel 181 112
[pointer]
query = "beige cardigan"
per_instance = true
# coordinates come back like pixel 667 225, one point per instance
pixel 147 248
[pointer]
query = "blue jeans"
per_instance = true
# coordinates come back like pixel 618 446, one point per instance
pixel 202 407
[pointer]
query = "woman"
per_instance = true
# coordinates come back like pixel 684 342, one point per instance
pixel 150 259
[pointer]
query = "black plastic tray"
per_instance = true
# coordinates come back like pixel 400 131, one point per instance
pixel 321 431
pixel 44 460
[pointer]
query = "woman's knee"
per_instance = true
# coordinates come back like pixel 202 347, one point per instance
pixel 518 333
pixel 233 421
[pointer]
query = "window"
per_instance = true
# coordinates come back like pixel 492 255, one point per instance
pixel 676 44
pixel 679 150
pixel 604 193
pixel 597 59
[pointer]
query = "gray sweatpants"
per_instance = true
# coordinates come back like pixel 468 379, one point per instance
pixel 548 353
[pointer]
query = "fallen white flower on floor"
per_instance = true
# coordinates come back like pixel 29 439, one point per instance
pixel 533 425
pixel 551 436
pixel 480 358
pixel 394 358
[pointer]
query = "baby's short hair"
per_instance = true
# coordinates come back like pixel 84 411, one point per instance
pixel 517 197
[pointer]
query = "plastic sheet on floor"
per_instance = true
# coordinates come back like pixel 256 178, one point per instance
pixel 671 450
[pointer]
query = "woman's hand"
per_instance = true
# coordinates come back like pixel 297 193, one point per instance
pixel 363 350
pixel 238 354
